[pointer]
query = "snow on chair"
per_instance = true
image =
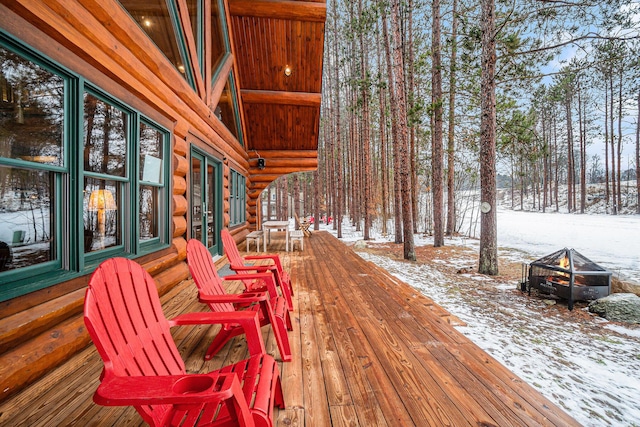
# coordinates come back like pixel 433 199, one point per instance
pixel 143 368
pixel 236 263
pixel 271 308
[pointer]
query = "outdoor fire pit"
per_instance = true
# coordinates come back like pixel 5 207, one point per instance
pixel 568 275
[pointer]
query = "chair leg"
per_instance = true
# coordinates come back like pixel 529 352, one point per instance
pixel 275 313
pixel 288 322
pixel 287 294
pixel 220 340
pixel 282 339
pixel 278 396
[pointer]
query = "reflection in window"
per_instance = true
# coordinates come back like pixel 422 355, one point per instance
pixel 226 110
pixel 154 18
pixel 195 17
pixel 151 179
pixel 218 41
pixel 101 214
pixel 148 212
pixel 27 219
pixel 31 111
pixel 237 199
pixel 105 137
pixel 57 211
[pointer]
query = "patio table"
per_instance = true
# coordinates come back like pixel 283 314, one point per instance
pixel 267 226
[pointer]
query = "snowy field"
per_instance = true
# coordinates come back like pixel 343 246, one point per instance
pixel 612 242
pixel 588 367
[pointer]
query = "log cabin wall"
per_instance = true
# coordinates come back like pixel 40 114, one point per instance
pixel 98 41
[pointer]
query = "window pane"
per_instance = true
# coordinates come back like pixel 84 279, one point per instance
pixel 105 137
pixel 218 45
pixel 212 232
pixel 196 199
pixel 27 231
pixel 154 18
pixel 102 225
pixel 225 109
pixel 149 208
pixel 151 142
pixel 31 111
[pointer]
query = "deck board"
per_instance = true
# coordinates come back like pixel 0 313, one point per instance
pixel 368 350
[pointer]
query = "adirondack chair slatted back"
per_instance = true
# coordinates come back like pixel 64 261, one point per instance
pixel 201 265
pixel 125 321
pixel 231 249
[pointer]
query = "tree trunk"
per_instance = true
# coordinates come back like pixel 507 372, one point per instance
pixel 638 158
pixel 619 150
pixel 570 166
pixel 338 143
pixel 556 181
pixel 451 202
pixel 583 156
pixel 436 140
pixel 546 159
pixel 384 174
pixel 614 192
pixel 607 195
pixel 296 196
pixel 405 181
pixel 397 193
pixel 366 152
pixel 412 137
pixel 488 259
pixel 316 200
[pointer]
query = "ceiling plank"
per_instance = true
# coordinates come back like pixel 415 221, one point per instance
pixel 306 99
pixel 280 9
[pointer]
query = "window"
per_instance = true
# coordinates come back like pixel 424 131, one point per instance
pixel 159 19
pixel 227 109
pixel 219 42
pixel 152 145
pixel 32 164
pixel 237 200
pixel 195 8
pixel 105 152
pixel 74 189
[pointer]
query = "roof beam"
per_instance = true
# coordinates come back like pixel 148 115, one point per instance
pixel 305 99
pixel 280 9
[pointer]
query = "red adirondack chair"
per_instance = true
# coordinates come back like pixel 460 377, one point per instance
pixel 142 366
pixel 271 308
pixel 236 262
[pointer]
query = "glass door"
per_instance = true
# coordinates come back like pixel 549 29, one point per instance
pixel 206 203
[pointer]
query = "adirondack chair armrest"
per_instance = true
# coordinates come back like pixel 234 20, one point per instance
pixel 273 257
pixel 268 279
pixel 188 389
pixel 248 320
pixel 253 268
pixel 234 298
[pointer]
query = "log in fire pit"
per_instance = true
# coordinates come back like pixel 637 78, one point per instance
pixel 569 275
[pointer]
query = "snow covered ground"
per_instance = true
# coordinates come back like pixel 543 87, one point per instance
pixel 612 242
pixel 586 365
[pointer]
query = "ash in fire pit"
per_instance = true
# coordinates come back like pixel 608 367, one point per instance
pixel 568 275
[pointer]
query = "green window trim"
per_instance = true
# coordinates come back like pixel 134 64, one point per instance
pixel 66 179
pixel 237 198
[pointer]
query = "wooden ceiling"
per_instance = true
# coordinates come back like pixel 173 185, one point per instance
pixel 281 112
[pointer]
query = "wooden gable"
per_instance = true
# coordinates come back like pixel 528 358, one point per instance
pixel 281 112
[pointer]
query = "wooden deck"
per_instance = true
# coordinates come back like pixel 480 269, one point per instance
pixel 368 351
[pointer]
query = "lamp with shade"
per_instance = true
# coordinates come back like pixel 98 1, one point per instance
pixel 102 201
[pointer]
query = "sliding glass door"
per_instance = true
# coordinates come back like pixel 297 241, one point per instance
pixel 206 200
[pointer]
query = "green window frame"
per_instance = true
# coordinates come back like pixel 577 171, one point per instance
pixel 237 198
pixel 160 20
pixel 61 181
